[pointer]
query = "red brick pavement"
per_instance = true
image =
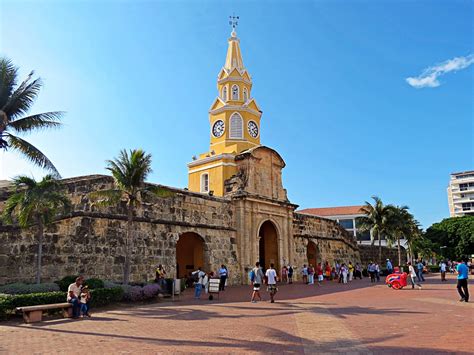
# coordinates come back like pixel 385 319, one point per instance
pixel 354 318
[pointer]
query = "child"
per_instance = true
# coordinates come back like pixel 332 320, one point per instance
pixel 85 297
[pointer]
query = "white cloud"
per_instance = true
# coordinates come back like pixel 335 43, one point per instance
pixel 429 77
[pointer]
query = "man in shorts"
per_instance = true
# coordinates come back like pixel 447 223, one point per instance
pixel 463 272
pixel 257 280
pixel 271 282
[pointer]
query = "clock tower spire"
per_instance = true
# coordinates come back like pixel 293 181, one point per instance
pixel 234 117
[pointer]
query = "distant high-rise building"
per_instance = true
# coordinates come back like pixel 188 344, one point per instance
pixel 461 194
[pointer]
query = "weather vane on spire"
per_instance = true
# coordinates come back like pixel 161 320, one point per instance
pixel 233 22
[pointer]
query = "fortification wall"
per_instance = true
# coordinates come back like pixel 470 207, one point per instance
pixel 332 242
pixel 90 240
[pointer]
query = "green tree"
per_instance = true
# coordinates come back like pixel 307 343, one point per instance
pixel 456 234
pixel 401 224
pixel 15 102
pixel 36 203
pixel 375 220
pixel 129 170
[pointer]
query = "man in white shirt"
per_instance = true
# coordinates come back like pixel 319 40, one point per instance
pixel 412 276
pixel 442 269
pixel 272 279
pixel 200 275
pixel 73 293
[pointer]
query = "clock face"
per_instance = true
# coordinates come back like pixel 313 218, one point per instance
pixel 218 128
pixel 253 129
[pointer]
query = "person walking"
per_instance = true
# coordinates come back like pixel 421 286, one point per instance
pixel 412 276
pixel 304 273
pixel 327 270
pixel 371 271
pixel 358 271
pixel 319 273
pixel 310 275
pixel 463 272
pixel 377 272
pixel 419 268
pixel 160 276
pixel 284 274
pixel 344 272
pixel 351 271
pixel 338 272
pixel 442 269
pixel 223 277
pixel 199 276
pixel 389 267
pixel 290 274
pixel 257 280
pixel 272 279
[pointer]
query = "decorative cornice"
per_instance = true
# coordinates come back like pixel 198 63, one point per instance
pixel 235 108
pixel 234 78
pixel 211 159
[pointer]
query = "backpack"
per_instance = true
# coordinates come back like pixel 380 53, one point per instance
pixel 196 277
pixel 252 276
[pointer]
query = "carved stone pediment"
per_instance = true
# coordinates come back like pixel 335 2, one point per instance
pixel 259 173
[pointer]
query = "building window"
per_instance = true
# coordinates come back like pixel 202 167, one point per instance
pixel 224 93
pixel 235 92
pixel 236 126
pixel 347 223
pixel 246 95
pixel 205 182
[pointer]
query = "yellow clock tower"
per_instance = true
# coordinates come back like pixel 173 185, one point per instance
pixel 234 118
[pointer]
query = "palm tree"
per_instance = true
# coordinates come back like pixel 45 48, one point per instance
pixel 375 221
pixel 129 171
pixel 35 203
pixel 416 241
pixel 401 223
pixel 15 102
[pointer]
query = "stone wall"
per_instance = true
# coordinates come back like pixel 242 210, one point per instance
pixel 371 253
pixel 91 240
pixel 333 243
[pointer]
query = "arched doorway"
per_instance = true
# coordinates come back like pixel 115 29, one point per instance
pixel 312 254
pixel 189 254
pixel 268 245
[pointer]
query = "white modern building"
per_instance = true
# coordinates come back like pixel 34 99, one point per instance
pixel 347 216
pixel 461 194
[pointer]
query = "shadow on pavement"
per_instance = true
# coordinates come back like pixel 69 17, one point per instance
pixel 277 341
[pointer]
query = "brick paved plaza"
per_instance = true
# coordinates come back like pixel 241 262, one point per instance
pixel 357 318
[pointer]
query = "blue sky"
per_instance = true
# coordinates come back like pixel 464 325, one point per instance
pixel 330 77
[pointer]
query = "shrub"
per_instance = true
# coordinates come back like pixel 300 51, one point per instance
pixel 5 306
pixel 151 290
pixel 110 284
pixel 132 293
pixel 8 303
pixel 100 297
pixel 65 282
pixel 433 268
pixel 22 288
pixel 105 296
pixel 94 283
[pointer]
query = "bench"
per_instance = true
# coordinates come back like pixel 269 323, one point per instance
pixel 33 314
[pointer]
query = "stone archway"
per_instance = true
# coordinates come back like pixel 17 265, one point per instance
pixel 312 254
pixel 268 245
pixel 189 254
